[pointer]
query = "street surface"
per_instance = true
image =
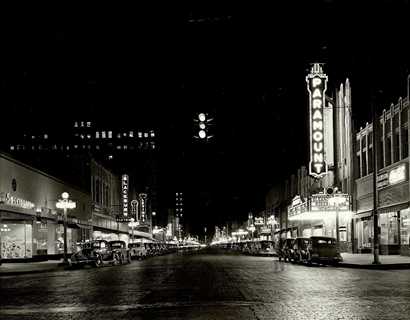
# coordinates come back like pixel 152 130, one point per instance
pixel 205 286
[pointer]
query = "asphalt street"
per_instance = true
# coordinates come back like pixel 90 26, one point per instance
pixel 206 286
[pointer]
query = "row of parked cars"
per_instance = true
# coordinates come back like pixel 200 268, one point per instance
pixel 310 250
pixel 98 253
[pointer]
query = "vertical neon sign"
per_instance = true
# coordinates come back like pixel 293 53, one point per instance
pixel 124 187
pixel 316 86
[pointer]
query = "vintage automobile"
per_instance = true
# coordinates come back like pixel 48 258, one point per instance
pixel 285 252
pixel 323 250
pixel 300 249
pixel 120 247
pixel 137 250
pixel 96 253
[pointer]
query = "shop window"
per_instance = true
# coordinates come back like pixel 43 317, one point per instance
pixel 16 240
pixel 388 228
pixel 405 227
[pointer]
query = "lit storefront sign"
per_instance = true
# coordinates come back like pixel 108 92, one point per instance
pixel 124 188
pixel 316 86
pixel 392 177
pixel 318 206
pixel 259 221
pixel 8 199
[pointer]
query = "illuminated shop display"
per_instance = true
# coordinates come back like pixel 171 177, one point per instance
pixel 316 86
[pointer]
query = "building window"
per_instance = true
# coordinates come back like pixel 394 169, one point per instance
pixel 76 124
pixel 370 160
pixel 46 136
pixel 109 134
pixel 89 136
pixel 103 134
pixel 396 150
pixel 97 135
pixel 387 150
pixel 404 142
pixel 119 135
pixel 131 135
pixel 359 173
pixel 152 134
pixel 364 166
pixel 139 134
pixel 145 134
pixel 88 124
pixel 11 147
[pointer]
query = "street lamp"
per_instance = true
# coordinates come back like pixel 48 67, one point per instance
pixel 65 204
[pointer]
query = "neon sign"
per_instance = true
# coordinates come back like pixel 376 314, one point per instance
pixel 8 199
pixel 317 85
pixel 124 187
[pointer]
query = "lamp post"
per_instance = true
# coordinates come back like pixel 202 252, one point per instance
pixel 336 201
pixel 65 204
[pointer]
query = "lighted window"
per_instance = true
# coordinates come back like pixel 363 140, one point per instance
pixel 33 137
pixel 152 134
pixel 139 134
pixel 89 136
pixel 118 147
pixel 11 147
pixel 75 124
pixel 109 134
pixel 124 134
pixel 82 123
pixel 97 134
pixel 81 136
pixel 119 135
pixel 103 134
pixel 145 134
pixel 88 124
pixel 46 136
pixel 131 134
pixel 125 147
pixel 75 146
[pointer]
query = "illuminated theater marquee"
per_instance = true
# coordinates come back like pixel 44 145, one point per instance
pixel 316 85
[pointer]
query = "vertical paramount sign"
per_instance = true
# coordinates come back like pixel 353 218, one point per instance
pixel 124 187
pixel 316 85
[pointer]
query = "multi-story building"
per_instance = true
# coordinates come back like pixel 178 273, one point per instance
pixel 392 183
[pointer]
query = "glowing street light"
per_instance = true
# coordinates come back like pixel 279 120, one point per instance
pixel 65 204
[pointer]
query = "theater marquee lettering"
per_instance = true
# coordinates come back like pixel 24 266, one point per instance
pixel 124 184
pixel 317 85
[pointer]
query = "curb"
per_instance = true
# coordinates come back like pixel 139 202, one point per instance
pixel 16 273
pixel 396 266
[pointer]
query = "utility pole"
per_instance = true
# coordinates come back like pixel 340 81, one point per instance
pixel 376 259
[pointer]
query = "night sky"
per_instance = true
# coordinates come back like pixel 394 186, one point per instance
pixel 243 64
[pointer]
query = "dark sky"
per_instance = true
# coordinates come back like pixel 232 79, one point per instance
pixel 244 64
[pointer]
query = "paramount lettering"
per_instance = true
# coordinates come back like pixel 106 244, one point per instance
pixel 316 82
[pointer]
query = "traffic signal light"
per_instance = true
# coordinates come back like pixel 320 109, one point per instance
pixel 203 126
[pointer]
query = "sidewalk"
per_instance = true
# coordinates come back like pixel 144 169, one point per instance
pixel 364 261
pixel 9 269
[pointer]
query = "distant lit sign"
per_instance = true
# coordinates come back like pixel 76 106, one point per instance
pixel 143 205
pixel 124 187
pixel 317 85
pixel 8 199
pixel 122 219
pixel 258 221
pixel 397 175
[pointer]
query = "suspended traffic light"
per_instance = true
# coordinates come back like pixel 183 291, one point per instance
pixel 203 126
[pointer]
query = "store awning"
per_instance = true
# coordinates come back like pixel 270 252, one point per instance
pixel 363 214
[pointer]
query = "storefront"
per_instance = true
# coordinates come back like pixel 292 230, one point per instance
pixel 31 227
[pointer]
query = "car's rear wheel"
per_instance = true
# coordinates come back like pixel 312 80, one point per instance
pixel 98 262
pixel 116 259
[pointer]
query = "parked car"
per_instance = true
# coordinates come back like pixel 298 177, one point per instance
pixel 137 250
pixel 120 247
pixel 286 251
pixel 300 249
pixel 323 250
pixel 96 253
